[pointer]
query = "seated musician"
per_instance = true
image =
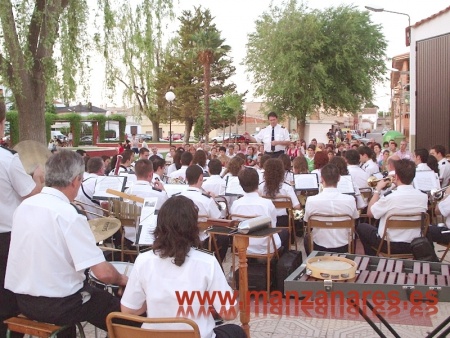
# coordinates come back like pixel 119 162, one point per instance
pixel 442 208
pixel 52 246
pixel 176 266
pixel 144 154
pixel 215 184
pixel 207 206
pixel 95 168
pixel 405 200
pixel 359 176
pixel 125 163
pixel 329 202
pixel 180 174
pixel 251 204
pixel 159 166
pixel 274 185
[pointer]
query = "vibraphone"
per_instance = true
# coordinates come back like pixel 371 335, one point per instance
pixel 378 273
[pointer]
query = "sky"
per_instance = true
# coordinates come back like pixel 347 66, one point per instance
pixel 236 19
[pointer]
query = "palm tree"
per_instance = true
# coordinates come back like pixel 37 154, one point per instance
pixel 209 47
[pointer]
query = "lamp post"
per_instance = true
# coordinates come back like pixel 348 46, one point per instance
pixel 170 96
pixel 408 29
pixel 108 114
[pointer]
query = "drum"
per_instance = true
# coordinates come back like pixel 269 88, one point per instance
pixel 331 267
pixel 122 267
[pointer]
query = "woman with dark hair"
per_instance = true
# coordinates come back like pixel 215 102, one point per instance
pixel 176 162
pixel 250 158
pixel 274 185
pixel 288 174
pixel 175 267
pixel 433 163
pixel 200 159
pixel 301 146
pixel 234 165
pixel 300 165
pixel 292 151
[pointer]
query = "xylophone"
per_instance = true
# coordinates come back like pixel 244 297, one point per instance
pixel 402 278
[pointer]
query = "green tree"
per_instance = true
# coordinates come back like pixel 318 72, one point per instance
pixel 185 72
pixel 304 59
pixel 30 32
pixel 134 33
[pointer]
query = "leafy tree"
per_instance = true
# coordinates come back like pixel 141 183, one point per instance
pixel 305 59
pixel 134 33
pixel 30 32
pixel 185 72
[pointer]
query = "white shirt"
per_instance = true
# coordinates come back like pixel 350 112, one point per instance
pixel 423 167
pixel 404 201
pixel 359 176
pixel 144 145
pixel 15 184
pixel 215 184
pixel 406 155
pixel 330 202
pixel 157 281
pixel 51 246
pixel 265 136
pixel 251 204
pixel 444 172
pixel 371 167
pixel 180 173
pixel 285 190
pixel 88 186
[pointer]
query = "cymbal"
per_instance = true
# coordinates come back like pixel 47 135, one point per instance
pixel 104 227
pixel 32 154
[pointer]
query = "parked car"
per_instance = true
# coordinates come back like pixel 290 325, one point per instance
pixel 175 137
pixel 87 139
pixel 144 137
pixel 228 138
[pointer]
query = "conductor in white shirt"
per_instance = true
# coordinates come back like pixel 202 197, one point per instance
pixel 274 137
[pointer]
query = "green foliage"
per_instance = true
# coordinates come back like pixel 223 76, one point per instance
pixel 50 119
pixel 122 124
pixel 303 59
pixel 13 118
pixel 101 119
pixel 75 125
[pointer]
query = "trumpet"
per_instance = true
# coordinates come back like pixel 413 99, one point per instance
pixel 372 181
pixel 438 194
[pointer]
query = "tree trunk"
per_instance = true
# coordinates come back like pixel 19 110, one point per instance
pixel 188 123
pixel 207 80
pixel 301 129
pixel 155 131
pixel 31 109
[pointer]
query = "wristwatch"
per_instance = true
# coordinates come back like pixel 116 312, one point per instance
pixel 377 192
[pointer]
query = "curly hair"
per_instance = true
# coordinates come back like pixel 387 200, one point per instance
pixel 274 176
pixel 235 165
pixel 340 163
pixel 286 161
pixel 200 158
pixel 300 165
pixel 176 229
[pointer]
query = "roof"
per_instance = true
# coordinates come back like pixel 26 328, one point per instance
pixel 421 22
pixel 80 109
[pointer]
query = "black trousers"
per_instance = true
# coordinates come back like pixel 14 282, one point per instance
pixel 436 234
pixel 368 234
pixel 229 331
pixel 70 310
pixel 316 247
pixel 8 305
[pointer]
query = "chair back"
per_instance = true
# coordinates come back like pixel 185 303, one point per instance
pixel 127 213
pixel 223 205
pixel 118 330
pixel 332 222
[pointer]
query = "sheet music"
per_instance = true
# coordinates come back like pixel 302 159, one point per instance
pixel 147 222
pixel 345 185
pixel 426 180
pixel 173 189
pixel 103 183
pixel 131 179
pixel 233 187
pixel 306 182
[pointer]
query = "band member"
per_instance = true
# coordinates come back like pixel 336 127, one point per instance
pixel 186 159
pixel 275 137
pixel 358 175
pixel 442 208
pixel 330 202
pixel 52 246
pixel 175 266
pixel 405 200
pixel 125 163
pixel 367 163
pixel 15 185
pixel 95 168
pixel 438 151
pixel 215 184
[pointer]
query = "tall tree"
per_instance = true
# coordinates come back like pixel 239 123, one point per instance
pixel 185 72
pixel 304 59
pixel 134 33
pixel 30 30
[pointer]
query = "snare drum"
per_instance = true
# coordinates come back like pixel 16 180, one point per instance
pixel 331 267
pixel 121 267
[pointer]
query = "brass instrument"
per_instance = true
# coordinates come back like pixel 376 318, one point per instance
pixel 372 181
pixel 438 194
pixel 102 210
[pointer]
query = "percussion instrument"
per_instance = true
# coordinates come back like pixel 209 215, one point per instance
pixel 376 274
pixel 104 227
pixel 32 154
pixel 330 267
pixel 123 268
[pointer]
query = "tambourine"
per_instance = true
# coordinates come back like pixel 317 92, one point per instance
pixel 329 267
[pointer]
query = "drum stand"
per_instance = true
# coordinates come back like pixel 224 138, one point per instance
pixel 439 328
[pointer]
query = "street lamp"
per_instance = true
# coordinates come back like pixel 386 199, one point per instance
pixel 408 29
pixel 170 96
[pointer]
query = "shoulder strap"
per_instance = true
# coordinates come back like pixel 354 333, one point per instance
pixel 90 198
